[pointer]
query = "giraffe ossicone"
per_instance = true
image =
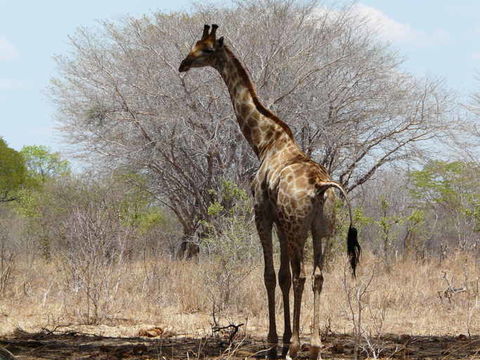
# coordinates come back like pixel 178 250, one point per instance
pixel 290 190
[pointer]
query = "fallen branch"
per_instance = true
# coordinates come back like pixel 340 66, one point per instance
pixel 233 332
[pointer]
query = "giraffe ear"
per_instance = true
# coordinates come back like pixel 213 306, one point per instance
pixel 220 43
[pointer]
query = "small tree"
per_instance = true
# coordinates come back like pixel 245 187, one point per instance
pixel 230 241
pixel 96 248
pixel 415 234
pixel 387 224
pixel 7 259
pixel 43 164
pixel 44 171
pixel 449 193
pixel 13 172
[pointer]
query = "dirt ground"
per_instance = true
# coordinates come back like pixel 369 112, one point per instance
pixel 44 345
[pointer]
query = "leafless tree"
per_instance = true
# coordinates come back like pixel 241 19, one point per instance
pixel 97 243
pixel 122 102
pixel 471 148
pixel 7 260
pixel 475 101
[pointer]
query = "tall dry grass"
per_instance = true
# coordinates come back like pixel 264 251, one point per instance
pixel 409 297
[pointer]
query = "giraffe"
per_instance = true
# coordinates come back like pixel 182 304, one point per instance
pixel 290 191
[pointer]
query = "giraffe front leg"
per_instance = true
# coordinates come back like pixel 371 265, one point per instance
pixel 264 228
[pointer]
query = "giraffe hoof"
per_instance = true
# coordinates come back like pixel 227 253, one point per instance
pixel 315 353
pixel 272 353
pixel 293 350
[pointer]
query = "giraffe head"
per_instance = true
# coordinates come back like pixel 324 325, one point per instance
pixel 205 50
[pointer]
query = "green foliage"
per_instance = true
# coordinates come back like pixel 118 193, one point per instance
pixel 342 223
pixel 416 232
pixel 441 181
pixel 232 192
pixel 416 217
pixel 42 164
pixel 215 209
pixel 13 172
pixel 137 207
pixel 141 214
pixel 387 220
pixel 230 227
pixel 230 240
pixel 388 226
pixel 44 208
pixel 30 201
pixel 225 201
pixel 454 186
pixel 360 219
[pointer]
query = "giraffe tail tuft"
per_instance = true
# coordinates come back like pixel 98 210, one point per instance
pixel 353 248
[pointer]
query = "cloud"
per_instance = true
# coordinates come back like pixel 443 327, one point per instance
pixel 388 28
pixel 476 55
pixel 396 32
pixel 7 50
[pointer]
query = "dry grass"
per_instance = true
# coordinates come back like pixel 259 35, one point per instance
pixel 179 296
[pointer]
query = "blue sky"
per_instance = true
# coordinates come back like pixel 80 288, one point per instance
pixel 438 38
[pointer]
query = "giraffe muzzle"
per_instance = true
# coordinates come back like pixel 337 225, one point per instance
pixel 185 65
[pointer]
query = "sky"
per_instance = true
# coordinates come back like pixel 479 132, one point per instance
pixel 438 38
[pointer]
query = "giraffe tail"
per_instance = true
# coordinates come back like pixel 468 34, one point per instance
pixel 353 247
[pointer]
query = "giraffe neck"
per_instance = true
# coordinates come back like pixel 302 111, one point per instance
pixel 263 130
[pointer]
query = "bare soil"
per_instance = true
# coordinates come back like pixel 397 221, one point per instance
pixel 44 345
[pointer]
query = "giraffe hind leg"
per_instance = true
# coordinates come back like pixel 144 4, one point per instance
pixel 322 228
pixel 285 282
pixel 296 244
pixel 317 284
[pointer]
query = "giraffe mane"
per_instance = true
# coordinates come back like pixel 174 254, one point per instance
pixel 260 107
